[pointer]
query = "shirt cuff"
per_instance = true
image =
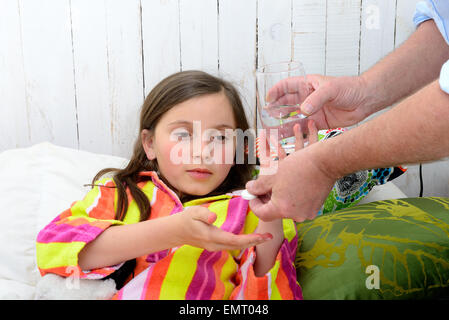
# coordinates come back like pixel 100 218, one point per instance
pixel 444 77
pixel 426 10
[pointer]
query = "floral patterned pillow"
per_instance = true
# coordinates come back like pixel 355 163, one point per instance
pixel 351 189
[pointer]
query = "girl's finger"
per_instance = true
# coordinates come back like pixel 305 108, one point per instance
pixel 313 131
pixel 230 241
pixel 280 152
pixel 263 146
pixel 204 215
pixel 299 139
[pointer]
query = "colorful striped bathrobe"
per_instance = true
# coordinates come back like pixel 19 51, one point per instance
pixel 184 272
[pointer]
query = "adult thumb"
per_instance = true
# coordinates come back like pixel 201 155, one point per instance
pixel 261 186
pixel 317 99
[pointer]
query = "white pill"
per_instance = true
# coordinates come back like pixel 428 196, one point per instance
pixel 247 196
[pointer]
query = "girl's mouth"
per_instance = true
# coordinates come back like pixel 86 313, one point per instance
pixel 199 173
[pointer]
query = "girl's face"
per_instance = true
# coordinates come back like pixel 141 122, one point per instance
pixel 194 151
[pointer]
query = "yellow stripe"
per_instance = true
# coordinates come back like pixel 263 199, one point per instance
pixel 251 223
pixel 133 212
pixel 289 229
pixel 79 208
pixel 220 208
pixel 197 202
pixel 58 254
pixel 275 294
pixel 228 271
pixel 176 283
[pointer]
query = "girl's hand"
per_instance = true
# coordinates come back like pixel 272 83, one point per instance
pixel 282 178
pixel 312 137
pixel 195 225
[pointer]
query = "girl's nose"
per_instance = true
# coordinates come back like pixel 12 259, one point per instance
pixel 201 151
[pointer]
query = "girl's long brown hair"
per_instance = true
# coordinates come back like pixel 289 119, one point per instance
pixel 171 91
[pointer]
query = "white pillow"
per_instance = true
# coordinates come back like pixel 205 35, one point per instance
pixel 37 184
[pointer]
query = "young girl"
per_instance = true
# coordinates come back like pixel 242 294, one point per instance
pixel 171 229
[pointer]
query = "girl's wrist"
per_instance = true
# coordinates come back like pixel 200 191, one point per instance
pixel 177 225
pixel 273 227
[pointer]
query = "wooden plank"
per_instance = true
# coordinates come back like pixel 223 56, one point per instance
pixel 309 32
pixel 404 20
pixel 126 93
pixel 90 51
pixel 199 35
pixel 14 120
pixel 237 44
pixel 436 178
pixel 274 33
pixel 274 38
pixel 48 66
pixel 343 35
pixel 161 45
pixel 378 31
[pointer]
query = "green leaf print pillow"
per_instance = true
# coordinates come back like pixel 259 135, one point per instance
pixel 394 249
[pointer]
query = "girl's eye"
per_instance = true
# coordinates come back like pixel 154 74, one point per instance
pixel 219 138
pixel 181 135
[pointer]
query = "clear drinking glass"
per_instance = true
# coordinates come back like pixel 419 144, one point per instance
pixel 284 114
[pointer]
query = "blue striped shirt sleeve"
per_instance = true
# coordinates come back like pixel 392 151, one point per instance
pixel 438 10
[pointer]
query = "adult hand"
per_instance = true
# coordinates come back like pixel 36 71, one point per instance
pixel 280 195
pixel 197 229
pixel 296 191
pixel 331 102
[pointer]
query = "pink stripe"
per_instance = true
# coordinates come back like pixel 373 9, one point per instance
pixel 289 270
pixel 203 283
pixel 208 286
pixel 147 281
pixel 236 215
pixel 67 233
pixel 136 288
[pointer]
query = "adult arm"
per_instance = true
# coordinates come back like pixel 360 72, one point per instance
pixel 413 65
pixel 344 101
pixel 411 132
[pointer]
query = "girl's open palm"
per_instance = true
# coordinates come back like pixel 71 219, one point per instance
pixel 197 229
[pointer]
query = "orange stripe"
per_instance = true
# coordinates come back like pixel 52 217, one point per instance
pixel 65 214
pixel 141 264
pixel 163 205
pixel 62 271
pixel 105 207
pixel 283 285
pixel 157 278
pixel 219 290
pixel 256 288
pixel 80 221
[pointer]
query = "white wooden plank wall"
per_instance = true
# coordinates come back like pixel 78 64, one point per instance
pixel 75 72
